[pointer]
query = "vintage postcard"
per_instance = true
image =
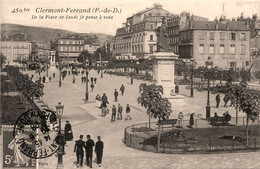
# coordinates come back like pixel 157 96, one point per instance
pixel 121 84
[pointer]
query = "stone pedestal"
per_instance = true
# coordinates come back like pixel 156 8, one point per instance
pixel 163 74
pixel 52 61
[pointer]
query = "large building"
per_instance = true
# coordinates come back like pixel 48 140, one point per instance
pixel 91 47
pixel 137 37
pixel 16 48
pixel 228 43
pixel 43 53
pixel 176 24
pixel 69 47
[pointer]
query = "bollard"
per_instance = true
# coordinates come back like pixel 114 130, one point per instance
pixel 196 122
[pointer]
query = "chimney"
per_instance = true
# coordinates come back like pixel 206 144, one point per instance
pixel 216 24
pixel 227 27
pixel 190 25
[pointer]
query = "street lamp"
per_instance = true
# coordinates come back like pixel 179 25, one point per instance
pixel 59 113
pixel 86 99
pixel 60 75
pixel 209 64
pixel 132 73
pixel 193 63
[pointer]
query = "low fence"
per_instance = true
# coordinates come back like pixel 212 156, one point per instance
pixel 173 140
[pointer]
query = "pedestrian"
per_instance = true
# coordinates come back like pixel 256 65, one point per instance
pixel 217 100
pixel 99 150
pixel 104 100
pixel 225 99
pixel 122 89
pixel 113 117
pixel 79 150
pixel 82 79
pixel 43 79
pixel 68 131
pixel 40 79
pixel 69 72
pixel 103 111
pixel 73 80
pixel 89 150
pixel 231 102
pixel 176 89
pixel 60 139
pixel 92 87
pixel 91 79
pixel 128 117
pixel 50 79
pixel 98 99
pixel 192 119
pixel 95 80
pixel 120 110
pixel 180 118
pixel 116 95
pixel 53 75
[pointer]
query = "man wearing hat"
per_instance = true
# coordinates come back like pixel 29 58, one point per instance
pixel 99 150
pixel 79 150
pixel 89 150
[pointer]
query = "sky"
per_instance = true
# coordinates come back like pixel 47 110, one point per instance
pixel 204 8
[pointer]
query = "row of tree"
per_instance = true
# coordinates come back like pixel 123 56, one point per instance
pixel 24 84
pixel 231 75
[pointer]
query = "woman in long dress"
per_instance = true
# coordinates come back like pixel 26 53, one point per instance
pixel 19 157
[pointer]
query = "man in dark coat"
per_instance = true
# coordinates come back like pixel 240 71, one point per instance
pixel 89 150
pixel 79 150
pixel 226 99
pixel 116 95
pixel 113 117
pixel 122 89
pixel 99 150
pixel 217 100
pixel 120 110
pixel 95 80
pixel 104 100
pixel 68 131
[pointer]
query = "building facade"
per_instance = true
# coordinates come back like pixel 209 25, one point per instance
pixel 137 36
pixel 16 51
pixel 177 23
pixel 69 47
pixel 228 43
pixel 91 47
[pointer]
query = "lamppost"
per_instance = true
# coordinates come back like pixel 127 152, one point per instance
pixel 101 64
pixel 47 68
pixel 132 73
pixel 193 63
pixel 60 75
pixel 86 99
pixel 209 64
pixel 59 113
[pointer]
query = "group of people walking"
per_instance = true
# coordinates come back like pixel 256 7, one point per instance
pixel 119 111
pixel 80 145
pixel 225 99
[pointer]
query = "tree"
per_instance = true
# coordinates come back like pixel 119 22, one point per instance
pixel 245 75
pixel 2 59
pixel 155 105
pixel 257 75
pixel 248 102
pixel 83 56
pixel 231 75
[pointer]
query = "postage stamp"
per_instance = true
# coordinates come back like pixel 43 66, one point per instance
pixel 41 140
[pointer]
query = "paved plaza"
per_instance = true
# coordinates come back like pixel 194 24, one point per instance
pixel 85 119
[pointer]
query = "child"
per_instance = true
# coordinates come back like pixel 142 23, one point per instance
pixel 128 117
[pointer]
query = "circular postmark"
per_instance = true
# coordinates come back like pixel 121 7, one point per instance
pixel 43 139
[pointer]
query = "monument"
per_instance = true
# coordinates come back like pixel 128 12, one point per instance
pixel 163 66
pixel 52 56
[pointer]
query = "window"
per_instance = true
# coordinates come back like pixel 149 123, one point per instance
pixel 151 26
pixel 222 49
pixel 242 36
pixel 151 37
pixel 79 48
pixel 201 48
pixel 233 36
pixel 232 64
pixel 61 42
pixel 222 35
pixel 68 49
pixel 151 49
pixel 211 48
pixel 242 49
pixel 247 63
pixel 232 49
pixel 212 35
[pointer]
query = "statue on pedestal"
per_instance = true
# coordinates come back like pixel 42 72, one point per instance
pixel 163 43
